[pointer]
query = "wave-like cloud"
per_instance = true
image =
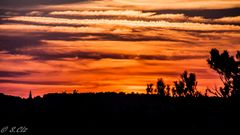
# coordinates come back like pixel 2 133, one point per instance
pixel 140 15
pixel 127 14
pixel 99 55
pixel 148 5
pixel 131 13
pixel 180 4
pixel 43 28
pixel 129 23
pixel 235 19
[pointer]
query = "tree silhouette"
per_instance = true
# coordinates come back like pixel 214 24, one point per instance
pixel 174 91
pixel 190 83
pixel 186 86
pixel 228 69
pixel 161 87
pixel 75 91
pixel 168 90
pixel 179 88
pixel 149 88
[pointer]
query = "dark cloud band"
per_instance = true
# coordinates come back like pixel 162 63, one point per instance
pixel 16 3
pixel 206 13
pixel 37 82
pixel 98 55
pixel 13 74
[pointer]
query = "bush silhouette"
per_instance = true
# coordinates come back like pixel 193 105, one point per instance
pixel 186 86
pixel 168 90
pixel 149 88
pixel 178 88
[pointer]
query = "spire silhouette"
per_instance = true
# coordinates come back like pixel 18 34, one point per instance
pixel 30 95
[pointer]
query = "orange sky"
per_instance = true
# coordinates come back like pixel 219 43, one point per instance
pixel 111 45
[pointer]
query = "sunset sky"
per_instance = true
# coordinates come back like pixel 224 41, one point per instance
pixel 111 45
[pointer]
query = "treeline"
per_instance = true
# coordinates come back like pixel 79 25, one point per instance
pixel 228 68
pixel 77 113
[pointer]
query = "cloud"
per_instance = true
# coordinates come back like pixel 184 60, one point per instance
pixel 149 5
pixel 12 44
pixel 11 13
pixel 30 28
pixel 235 19
pixel 135 15
pixel 130 13
pixel 199 19
pixel 99 55
pixel 34 13
pixel 174 17
pixel 13 74
pixel 131 71
pixel 129 23
pixel 179 4
pixel 205 13
pixel 38 82
pixel 120 14
pixel 28 3
pixel 24 37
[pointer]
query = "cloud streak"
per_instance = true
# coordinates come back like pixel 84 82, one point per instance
pixel 13 74
pixel 180 4
pixel 149 5
pixel 130 23
pixel 38 82
pixel 97 56
pixel 28 3
pixel 235 19
pixel 144 16
pixel 130 13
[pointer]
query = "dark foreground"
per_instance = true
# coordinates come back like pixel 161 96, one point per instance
pixel 72 114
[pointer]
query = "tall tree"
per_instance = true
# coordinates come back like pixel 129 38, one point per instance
pixel 161 87
pixel 228 68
